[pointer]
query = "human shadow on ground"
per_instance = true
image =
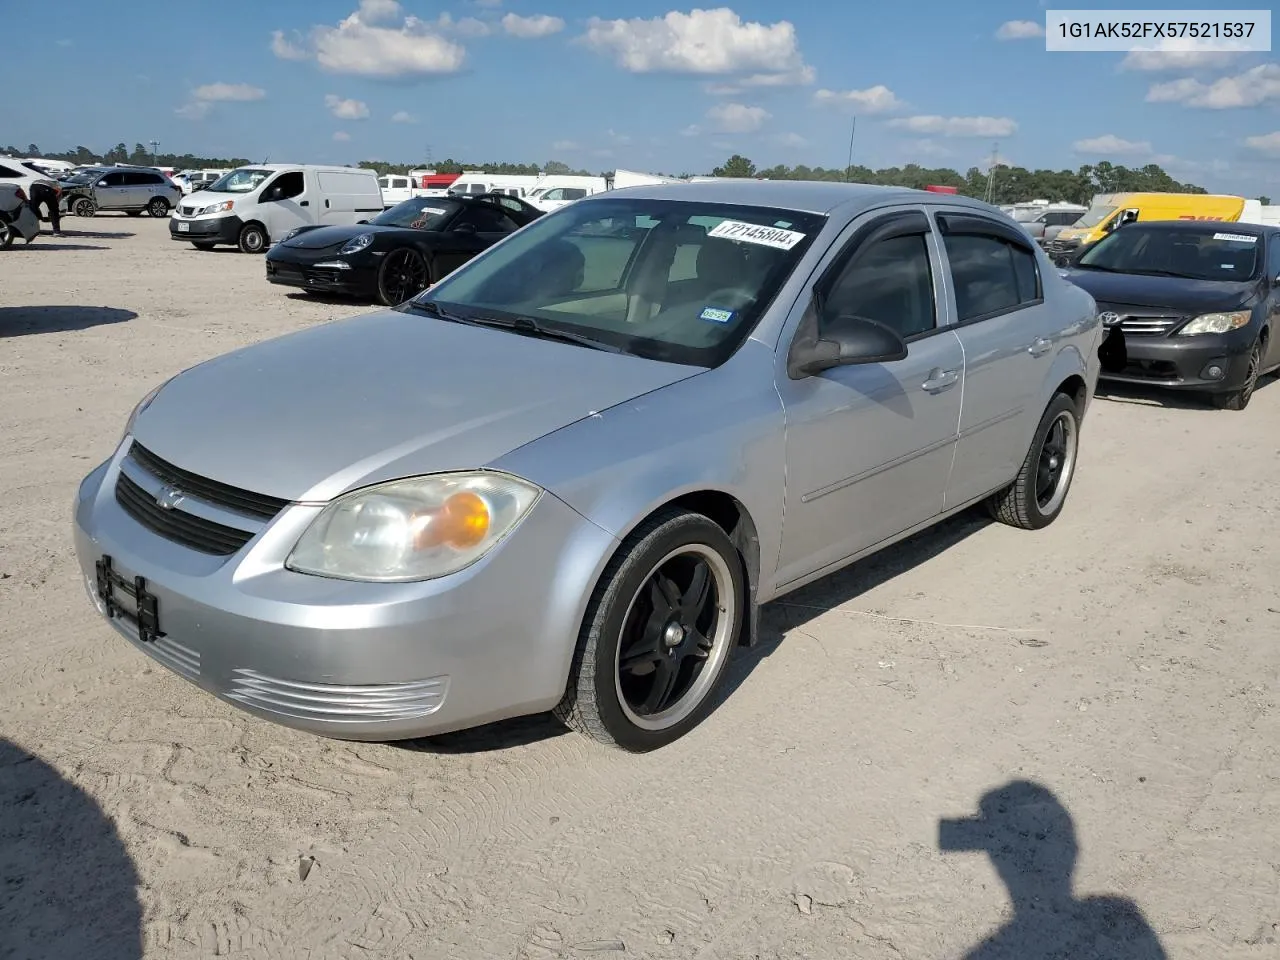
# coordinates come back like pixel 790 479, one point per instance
pixel 1031 840
pixel 25 321
pixel 90 234
pixel 776 620
pixel 67 885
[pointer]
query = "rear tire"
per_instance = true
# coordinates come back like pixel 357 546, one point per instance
pixel 1039 492
pixel 659 630
pixel 7 233
pixel 253 239
pixel 1239 398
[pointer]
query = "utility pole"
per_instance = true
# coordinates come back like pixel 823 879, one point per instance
pixel 431 164
pixel 848 167
pixel 991 171
pixel 155 145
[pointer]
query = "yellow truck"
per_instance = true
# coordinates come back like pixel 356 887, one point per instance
pixel 1111 210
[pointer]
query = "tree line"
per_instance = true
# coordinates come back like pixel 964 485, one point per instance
pixel 1009 184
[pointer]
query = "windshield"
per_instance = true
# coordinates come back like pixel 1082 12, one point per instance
pixel 239 181
pixel 422 213
pixel 678 281
pixel 1195 253
pixel 1095 215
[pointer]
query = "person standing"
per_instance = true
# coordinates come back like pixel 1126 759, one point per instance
pixel 45 192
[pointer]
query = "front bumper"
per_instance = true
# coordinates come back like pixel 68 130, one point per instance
pixel 355 281
pixel 1186 363
pixel 357 661
pixel 212 230
pixel 1060 251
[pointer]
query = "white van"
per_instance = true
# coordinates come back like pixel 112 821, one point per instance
pixel 555 191
pixel 473 184
pixel 256 206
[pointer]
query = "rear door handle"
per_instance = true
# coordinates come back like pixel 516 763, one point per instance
pixel 1039 347
pixel 940 379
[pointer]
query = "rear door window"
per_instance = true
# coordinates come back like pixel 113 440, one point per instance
pixel 990 275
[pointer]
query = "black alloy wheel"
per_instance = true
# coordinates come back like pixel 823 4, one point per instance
pixel 403 275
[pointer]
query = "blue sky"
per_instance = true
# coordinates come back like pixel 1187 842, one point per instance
pixel 634 84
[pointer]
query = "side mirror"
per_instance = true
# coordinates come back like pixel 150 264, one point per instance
pixel 1275 281
pixel 465 228
pixel 847 341
pixel 362 221
pixel 102 183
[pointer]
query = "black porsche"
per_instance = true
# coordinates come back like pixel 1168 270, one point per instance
pixel 401 251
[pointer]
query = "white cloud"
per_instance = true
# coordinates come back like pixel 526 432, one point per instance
pixel 924 147
pixel 64 42
pixel 1019 30
pixel 539 25
pixel 403 116
pixel 957 126
pixel 877 99
pixel 1255 86
pixel 715 42
pixel 487 3
pixel 1176 55
pixel 792 140
pixel 465 27
pixel 195 110
pixel 737 118
pixel 341 136
pixel 378 41
pixel 801 76
pixel 1268 143
pixel 286 49
pixel 565 146
pixel 226 92
pixel 346 109
pixel 1112 145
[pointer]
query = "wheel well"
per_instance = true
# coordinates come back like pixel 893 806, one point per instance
pixel 732 517
pixel 1074 387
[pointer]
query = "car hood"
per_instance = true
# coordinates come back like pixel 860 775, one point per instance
pixel 322 237
pixel 386 395
pixel 1173 293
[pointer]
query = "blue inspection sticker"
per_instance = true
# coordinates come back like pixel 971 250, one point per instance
pixel 716 315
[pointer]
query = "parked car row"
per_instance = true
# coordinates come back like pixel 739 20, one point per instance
pixel 567 475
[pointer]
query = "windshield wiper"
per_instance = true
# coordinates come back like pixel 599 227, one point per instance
pixel 1161 273
pixel 524 325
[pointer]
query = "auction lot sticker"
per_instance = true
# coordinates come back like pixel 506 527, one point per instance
pixel 754 233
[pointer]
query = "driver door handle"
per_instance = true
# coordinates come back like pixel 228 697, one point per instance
pixel 1039 347
pixel 304 203
pixel 939 379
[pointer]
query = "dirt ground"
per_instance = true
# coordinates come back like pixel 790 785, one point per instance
pixel 1109 684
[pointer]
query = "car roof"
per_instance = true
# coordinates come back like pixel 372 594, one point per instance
pixel 808 196
pixel 1208 226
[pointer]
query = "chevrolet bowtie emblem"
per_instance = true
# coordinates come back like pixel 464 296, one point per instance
pixel 169 497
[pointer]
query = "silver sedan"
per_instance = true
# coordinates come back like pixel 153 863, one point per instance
pixel 566 477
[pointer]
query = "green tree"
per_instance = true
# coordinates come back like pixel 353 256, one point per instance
pixel 735 166
pixel 1265 201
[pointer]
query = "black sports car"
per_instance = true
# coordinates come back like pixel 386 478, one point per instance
pixel 401 251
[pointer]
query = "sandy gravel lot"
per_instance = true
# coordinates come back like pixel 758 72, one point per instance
pixel 1125 660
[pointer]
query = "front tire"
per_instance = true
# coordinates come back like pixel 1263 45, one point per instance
pixel 1239 398
pixel 84 207
pixel 1039 492
pixel 253 239
pixel 657 636
pixel 404 274
pixel 158 207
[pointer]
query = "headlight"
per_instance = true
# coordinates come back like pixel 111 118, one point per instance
pixel 222 207
pixel 291 234
pixel 415 529
pixel 357 243
pixel 141 405
pixel 1216 323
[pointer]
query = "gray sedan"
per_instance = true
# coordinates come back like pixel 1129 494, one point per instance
pixel 566 477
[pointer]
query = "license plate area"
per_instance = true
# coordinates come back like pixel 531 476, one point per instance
pixel 112 588
pixel 184 228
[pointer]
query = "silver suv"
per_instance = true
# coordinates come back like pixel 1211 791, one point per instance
pixel 133 190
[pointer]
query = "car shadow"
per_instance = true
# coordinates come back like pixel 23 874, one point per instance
pixel 331 299
pixel 1031 840
pixel 793 610
pixel 26 321
pixel 777 619
pixel 51 243
pixel 70 887
pixel 90 234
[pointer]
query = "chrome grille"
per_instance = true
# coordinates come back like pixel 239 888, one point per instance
pixel 187 210
pixel 1148 326
pixel 338 702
